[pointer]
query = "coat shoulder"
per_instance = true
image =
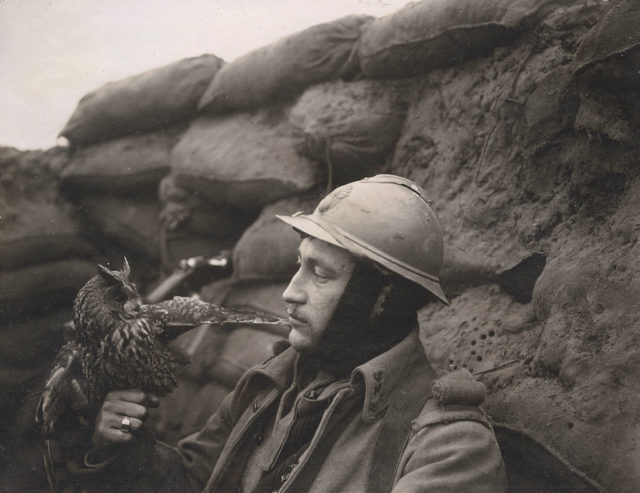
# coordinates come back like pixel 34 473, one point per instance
pixel 456 396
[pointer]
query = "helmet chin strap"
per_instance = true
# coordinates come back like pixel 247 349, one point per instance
pixel 370 318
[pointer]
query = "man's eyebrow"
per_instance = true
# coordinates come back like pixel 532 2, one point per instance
pixel 315 261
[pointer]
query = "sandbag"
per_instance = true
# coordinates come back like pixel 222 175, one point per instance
pixel 39 288
pixel 177 246
pixel 268 248
pixel 35 339
pixel 316 54
pixel 184 211
pixel 133 223
pixel 146 101
pixel 35 230
pixel 265 296
pixel 130 165
pixel 611 49
pixel 353 125
pixel 435 33
pixel 36 224
pixel 244 160
pixel 15 381
pixel 604 116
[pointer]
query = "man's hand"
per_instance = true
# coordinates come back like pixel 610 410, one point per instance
pixel 121 417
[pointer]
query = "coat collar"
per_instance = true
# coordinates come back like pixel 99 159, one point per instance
pixel 380 375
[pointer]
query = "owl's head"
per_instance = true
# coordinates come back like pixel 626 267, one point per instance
pixel 119 292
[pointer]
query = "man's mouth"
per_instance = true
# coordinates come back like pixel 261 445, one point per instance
pixel 295 319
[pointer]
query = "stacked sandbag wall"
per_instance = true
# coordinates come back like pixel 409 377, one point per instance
pixel 121 137
pixel 45 257
pixel 519 119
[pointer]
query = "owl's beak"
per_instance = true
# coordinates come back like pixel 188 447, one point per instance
pixel 132 307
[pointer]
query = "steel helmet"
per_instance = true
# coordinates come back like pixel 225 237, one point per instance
pixel 385 218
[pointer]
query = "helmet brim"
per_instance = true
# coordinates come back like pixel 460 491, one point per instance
pixel 306 225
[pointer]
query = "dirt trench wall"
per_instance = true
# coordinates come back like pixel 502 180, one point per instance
pixel 497 142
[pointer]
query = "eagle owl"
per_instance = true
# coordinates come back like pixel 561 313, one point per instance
pixel 119 343
pixel 114 344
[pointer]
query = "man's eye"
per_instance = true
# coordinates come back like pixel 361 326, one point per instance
pixel 320 274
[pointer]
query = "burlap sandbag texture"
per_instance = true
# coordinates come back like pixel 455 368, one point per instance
pixel 350 125
pixel 316 54
pixel 435 33
pixel 261 295
pixel 38 288
pixel 615 38
pixel 36 223
pixel 34 339
pixel 38 231
pixel 186 212
pixel 606 66
pixel 268 248
pixel 130 165
pixel 152 99
pixel 177 246
pixel 243 160
pixel 131 223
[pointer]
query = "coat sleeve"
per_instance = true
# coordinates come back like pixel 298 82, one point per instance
pixel 452 452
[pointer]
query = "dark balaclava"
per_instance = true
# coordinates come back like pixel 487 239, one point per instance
pixel 376 311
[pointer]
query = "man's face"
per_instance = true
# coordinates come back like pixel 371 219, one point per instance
pixel 314 291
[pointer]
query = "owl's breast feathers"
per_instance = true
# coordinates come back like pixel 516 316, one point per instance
pixel 130 356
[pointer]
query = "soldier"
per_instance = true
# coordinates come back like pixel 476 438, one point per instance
pixel 348 407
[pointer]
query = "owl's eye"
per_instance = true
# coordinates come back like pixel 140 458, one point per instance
pixel 119 296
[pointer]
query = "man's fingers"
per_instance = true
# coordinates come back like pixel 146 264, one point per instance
pixel 121 416
pixel 122 408
pixel 136 396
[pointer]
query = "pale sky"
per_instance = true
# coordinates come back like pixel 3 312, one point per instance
pixel 52 52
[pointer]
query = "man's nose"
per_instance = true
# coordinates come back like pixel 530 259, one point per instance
pixel 295 292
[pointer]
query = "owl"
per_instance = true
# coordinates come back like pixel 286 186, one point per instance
pixel 119 343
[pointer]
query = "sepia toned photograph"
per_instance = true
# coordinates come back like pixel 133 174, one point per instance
pixel 372 246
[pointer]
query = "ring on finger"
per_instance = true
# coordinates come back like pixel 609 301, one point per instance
pixel 125 424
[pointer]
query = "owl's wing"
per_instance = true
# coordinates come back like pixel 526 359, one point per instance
pixel 184 311
pixel 62 392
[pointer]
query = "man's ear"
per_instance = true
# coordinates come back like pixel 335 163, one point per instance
pixel 383 270
pixel 378 306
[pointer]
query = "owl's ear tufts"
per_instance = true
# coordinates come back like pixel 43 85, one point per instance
pixel 108 275
pixel 126 270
